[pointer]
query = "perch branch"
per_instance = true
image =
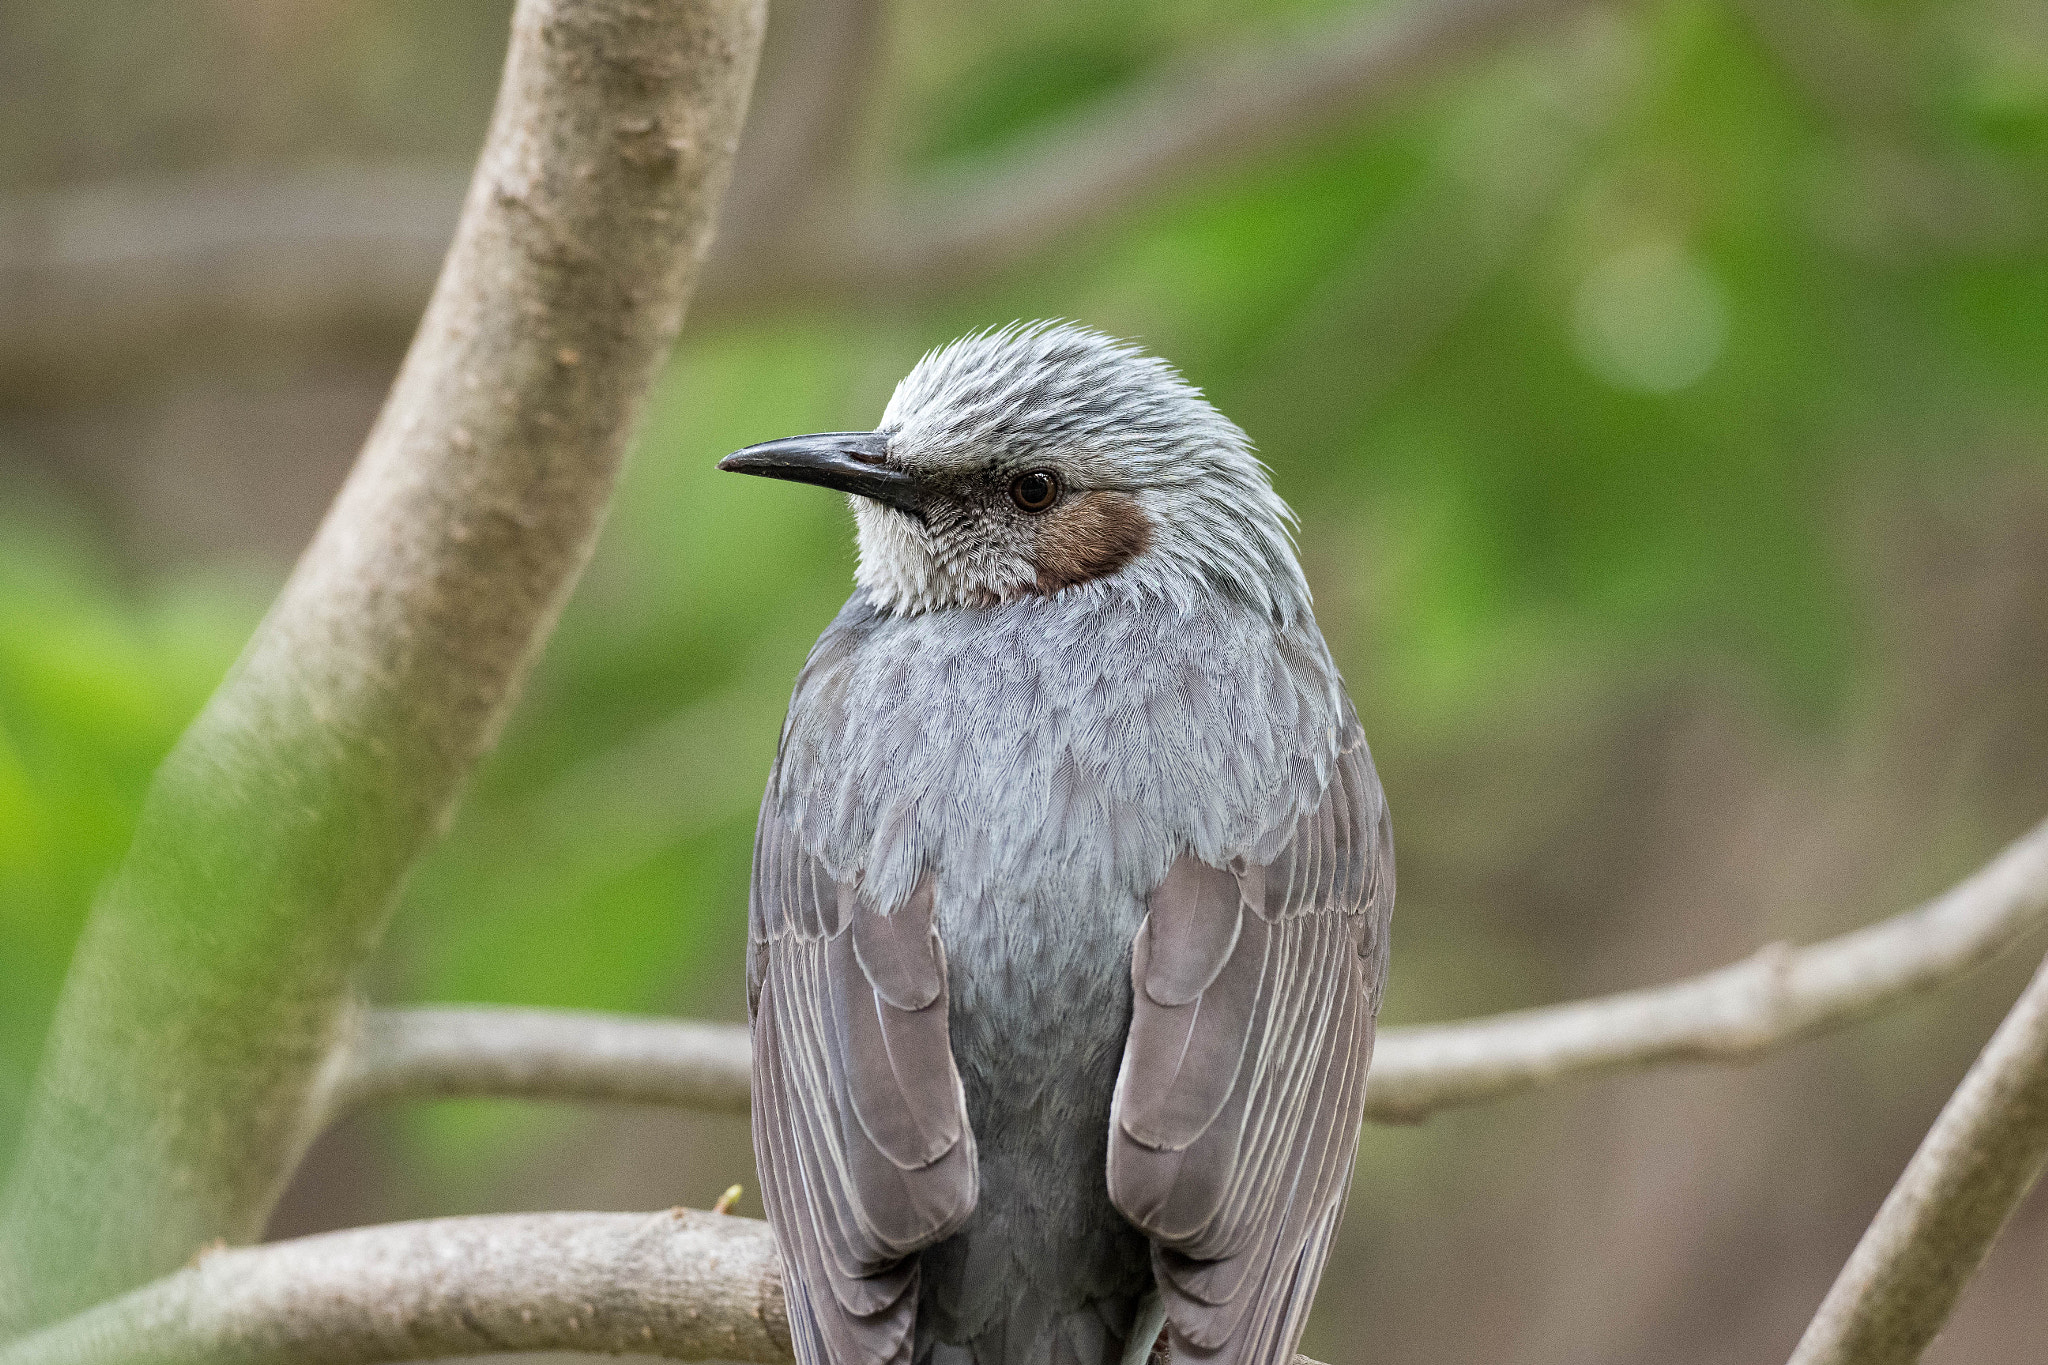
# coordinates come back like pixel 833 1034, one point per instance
pixel 1978 1161
pixel 685 1285
pixel 211 986
pixel 1732 1014
pixel 691 1286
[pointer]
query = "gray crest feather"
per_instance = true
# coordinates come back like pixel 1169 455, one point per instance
pixel 1117 419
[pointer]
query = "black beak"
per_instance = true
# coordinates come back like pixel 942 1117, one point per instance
pixel 850 461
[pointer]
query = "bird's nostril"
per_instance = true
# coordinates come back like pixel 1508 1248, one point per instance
pixel 865 456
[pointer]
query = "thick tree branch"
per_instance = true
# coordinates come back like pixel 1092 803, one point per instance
pixel 1732 1014
pixel 1978 1161
pixel 692 1286
pixel 681 1284
pixel 94 282
pixel 211 985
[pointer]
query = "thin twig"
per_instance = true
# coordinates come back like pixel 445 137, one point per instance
pixel 1732 1014
pixel 211 986
pixel 444 1053
pixel 1983 1154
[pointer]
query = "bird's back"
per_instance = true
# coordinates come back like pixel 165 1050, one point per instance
pixel 1043 763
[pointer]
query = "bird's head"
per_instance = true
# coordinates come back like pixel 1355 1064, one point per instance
pixel 1043 459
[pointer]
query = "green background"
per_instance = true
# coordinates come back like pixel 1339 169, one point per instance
pixel 1665 399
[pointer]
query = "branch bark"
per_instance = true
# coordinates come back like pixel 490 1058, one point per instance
pixel 447 1053
pixel 696 1286
pixel 183 1075
pixel 96 282
pixel 1983 1154
pixel 691 1286
pixel 680 1284
pixel 1732 1014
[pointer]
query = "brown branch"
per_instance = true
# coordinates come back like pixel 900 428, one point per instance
pixel 685 1285
pixel 1983 1154
pixel 211 985
pixel 445 1053
pixel 655 1284
pixel 1732 1014
pixel 691 1286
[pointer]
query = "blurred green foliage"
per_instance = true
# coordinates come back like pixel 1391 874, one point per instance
pixel 1576 368
pixel 97 678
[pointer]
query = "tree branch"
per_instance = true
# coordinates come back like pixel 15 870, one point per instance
pixel 96 282
pixel 695 1286
pixel 210 988
pixel 1732 1014
pixel 680 1284
pixel 655 1284
pixel 446 1053
pixel 1979 1160
pixel 692 1286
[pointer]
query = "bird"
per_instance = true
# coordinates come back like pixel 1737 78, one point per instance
pixel 1071 891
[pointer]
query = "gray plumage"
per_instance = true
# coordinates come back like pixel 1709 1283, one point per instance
pixel 1071 887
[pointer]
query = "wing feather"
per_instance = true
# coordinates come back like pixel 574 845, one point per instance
pixel 1255 989
pixel 860 1123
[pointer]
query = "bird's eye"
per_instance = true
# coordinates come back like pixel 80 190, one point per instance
pixel 1035 491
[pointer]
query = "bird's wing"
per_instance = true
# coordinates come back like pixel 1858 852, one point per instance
pixel 1237 1110
pixel 860 1126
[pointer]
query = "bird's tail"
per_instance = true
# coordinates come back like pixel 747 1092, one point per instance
pixel 1115 1331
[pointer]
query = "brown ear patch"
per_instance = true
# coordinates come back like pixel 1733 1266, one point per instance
pixel 1088 536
